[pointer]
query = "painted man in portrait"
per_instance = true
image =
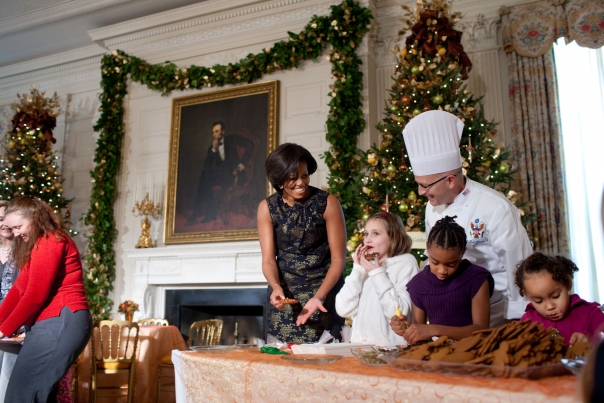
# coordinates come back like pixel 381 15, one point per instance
pixel 224 166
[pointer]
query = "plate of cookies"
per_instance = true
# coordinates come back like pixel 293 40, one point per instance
pixel 516 350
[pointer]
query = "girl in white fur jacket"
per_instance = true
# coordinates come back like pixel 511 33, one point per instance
pixel 378 282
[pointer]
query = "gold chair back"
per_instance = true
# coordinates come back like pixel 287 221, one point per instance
pixel 114 344
pixel 153 322
pixel 205 333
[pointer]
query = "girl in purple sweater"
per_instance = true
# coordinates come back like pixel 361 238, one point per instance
pixel 451 292
pixel 546 282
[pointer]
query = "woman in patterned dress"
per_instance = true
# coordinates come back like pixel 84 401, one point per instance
pixel 303 241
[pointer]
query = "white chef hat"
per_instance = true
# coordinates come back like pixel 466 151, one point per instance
pixel 432 141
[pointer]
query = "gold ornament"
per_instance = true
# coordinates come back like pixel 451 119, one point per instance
pixel 411 221
pixel 144 209
pixel 38 103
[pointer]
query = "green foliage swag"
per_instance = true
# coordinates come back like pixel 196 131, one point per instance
pixel 343 29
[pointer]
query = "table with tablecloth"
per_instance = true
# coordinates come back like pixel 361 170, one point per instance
pixel 154 342
pixel 252 376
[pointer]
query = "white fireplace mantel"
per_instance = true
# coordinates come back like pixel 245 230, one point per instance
pixel 194 266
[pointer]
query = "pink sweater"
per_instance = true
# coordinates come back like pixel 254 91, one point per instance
pixel 582 317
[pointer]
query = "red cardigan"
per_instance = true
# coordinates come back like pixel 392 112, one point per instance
pixel 49 281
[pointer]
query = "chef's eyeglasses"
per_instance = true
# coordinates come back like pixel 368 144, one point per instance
pixel 428 186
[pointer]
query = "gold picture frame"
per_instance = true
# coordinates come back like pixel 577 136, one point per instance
pixel 214 187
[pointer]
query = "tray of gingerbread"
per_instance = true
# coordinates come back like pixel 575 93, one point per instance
pixel 516 350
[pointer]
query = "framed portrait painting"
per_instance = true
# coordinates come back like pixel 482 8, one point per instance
pixel 216 177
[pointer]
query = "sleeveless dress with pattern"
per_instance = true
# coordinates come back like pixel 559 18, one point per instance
pixel 303 258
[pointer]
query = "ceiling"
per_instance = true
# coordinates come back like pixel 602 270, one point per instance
pixel 30 29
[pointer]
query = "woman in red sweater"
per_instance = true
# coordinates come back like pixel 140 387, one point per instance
pixel 48 298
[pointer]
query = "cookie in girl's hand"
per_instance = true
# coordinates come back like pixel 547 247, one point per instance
pixel 370 256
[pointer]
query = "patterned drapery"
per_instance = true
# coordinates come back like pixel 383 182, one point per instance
pixel 528 33
pixel 537 148
pixel 531 29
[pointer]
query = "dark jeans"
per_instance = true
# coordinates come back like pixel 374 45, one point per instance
pixel 51 346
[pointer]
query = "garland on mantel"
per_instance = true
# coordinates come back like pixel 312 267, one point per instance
pixel 343 29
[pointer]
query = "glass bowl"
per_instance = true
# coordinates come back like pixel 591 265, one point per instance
pixel 575 365
pixel 388 351
pixel 368 356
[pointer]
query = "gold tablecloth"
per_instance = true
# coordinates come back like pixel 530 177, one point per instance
pixel 154 342
pixel 251 376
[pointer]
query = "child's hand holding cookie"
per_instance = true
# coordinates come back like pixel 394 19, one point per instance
pixel 579 337
pixel 417 333
pixel 360 257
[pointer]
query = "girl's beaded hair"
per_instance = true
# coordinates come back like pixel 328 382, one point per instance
pixel 400 241
pixel 447 234
pixel 561 269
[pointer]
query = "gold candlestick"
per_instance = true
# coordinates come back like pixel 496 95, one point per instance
pixel 145 209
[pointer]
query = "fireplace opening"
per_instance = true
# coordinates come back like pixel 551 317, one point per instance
pixel 245 307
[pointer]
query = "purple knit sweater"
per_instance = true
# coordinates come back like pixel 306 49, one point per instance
pixel 449 302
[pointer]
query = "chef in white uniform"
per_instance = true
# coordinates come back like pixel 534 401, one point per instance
pixel 496 238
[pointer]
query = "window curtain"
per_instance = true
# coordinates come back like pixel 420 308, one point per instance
pixel 580 82
pixel 536 147
pixel 528 33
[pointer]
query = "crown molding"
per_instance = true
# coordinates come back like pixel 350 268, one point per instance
pixel 211 13
pixel 241 34
pixel 72 75
pixel 54 13
pixel 49 64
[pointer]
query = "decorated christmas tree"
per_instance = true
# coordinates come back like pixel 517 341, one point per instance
pixel 28 165
pixel 429 75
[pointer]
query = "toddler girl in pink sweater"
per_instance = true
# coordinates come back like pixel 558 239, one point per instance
pixel 546 282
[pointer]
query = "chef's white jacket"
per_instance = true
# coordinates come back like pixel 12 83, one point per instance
pixel 496 240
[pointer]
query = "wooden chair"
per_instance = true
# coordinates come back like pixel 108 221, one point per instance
pixel 205 333
pixel 74 382
pixel 153 322
pixel 165 378
pixel 117 355
pixel 201 333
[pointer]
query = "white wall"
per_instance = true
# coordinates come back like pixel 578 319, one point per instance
pixel 221 31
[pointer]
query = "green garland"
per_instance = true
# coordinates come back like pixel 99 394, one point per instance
pixel 343 29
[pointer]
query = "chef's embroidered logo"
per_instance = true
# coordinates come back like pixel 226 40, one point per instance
pixel 476 229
